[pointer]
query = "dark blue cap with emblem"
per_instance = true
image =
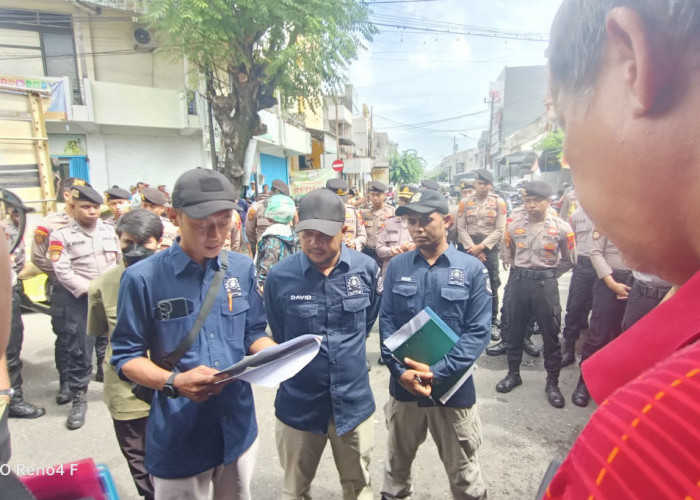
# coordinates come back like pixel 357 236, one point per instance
pixel 201 192
pixel 425 202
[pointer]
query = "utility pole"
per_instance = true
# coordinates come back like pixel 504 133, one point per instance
pixel 487 156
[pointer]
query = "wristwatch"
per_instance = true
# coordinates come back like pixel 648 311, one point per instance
pixel 7 392
pixel 169 387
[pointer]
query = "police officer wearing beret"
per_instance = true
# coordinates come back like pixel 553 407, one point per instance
pixel 79 252
pixel 429 184
pixel 375 217
pixel 257 223
pixel 330 290
pixel 356 234
pixel 480 226
pixel 540 247
pixel 118 202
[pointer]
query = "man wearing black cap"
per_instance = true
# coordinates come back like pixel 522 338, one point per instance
pixel 356 235
pixel 40 258
pixel 540 248
pixel 79 252
pixel 456 287
pixel 199 433
pixel 154 201
pixel 257 223
pixel 375 217
pixel 480 226
pixel 330 290
pixel 118 202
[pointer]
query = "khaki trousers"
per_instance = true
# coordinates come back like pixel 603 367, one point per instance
pixel 457 434
pixel 229 482
pixel 300 453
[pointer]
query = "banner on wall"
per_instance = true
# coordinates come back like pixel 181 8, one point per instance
pixel 304 181
pixel 57 105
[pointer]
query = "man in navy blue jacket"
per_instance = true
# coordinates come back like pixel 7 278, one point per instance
pixel 456 287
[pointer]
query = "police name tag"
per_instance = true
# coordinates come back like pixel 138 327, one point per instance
pixel 456 276
pixel 353 284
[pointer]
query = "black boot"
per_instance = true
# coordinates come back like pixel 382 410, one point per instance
pixel 76 417
pixel 495 332
pixel 554 394
pixel 498 350
pixel 19 408
pixel 580 397
pixel 381 361
pixel 569 354
pixel 64 394
pixel 510 382
pixel 99 374
pixel 530 348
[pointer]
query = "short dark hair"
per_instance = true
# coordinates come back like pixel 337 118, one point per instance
pixel 141 224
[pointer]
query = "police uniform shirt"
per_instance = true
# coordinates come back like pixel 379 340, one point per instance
pixel 170 232
pixel 111 221
pixel 79 256
pixel 257 222
pixel 605 256
pixel 394 234
pixel 234 241
pixel 342 308
pixel 374 221
pixel 356 229
pixel 456 287
pixel 481 218
pixel 40 242
pixel 548 244
pixel 185 438
pixel 583 230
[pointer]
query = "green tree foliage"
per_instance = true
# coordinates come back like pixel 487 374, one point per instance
pixel 406 168
pixel 555 140
pixel 249 49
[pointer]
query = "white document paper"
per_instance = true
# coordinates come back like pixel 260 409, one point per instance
pixel 274 365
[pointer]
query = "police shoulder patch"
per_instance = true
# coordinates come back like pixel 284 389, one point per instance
pixel 251 214
pixel 55 250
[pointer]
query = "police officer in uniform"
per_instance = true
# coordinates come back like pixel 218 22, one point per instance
pixel 155 201
pixel 119 203
pixel 80 251
pixel 375 217
pixel 257 222
pixel 356 235
pixel 580 299
pixel 540 247
pixel 481 222
pixel 647 292
pixel 40 258
pixel 610 292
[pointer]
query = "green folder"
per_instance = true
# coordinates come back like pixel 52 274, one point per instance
pixel 427 339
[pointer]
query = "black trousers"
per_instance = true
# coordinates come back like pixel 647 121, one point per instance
pixel 606 315
pixel 579 300
pixel 73 346
pixel 538 298
pixel 100 348
pixel 492 266
pixel 642 299
pixel 131 436
pixel 14 346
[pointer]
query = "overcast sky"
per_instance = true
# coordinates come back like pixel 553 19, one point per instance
pixel 418 77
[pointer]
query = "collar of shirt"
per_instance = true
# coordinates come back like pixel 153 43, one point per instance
pixel 667 328
pixel 344 259
pixel 180 260
pixel 448 255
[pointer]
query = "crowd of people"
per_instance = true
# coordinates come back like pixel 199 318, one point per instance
pixel 332 268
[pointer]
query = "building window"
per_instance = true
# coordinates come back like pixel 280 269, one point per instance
pixel 35 43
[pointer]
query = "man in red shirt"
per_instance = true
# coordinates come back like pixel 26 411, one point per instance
pixel 625 78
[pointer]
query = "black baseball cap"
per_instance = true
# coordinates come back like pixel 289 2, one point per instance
pixel 430 184
pixel 85 193
pixel 539 189
pixel 425 202
pixel 117 193
pixel 280 186
pixel 154 196
pixel 484 175
pixel 321 210
pixel 201 192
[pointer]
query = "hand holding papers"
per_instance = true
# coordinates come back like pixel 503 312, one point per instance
pixel 274 365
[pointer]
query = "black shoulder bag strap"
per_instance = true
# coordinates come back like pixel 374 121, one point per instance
pixel 171 359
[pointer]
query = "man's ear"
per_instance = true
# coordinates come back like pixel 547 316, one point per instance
pixel 345 229
pixel 639 56
pixel 173 216
pixel 448 219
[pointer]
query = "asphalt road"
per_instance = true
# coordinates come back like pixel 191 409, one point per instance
pixel 522 432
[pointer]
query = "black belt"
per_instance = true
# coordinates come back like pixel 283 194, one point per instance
pixel 650 290
pixel 625 277
pixel 583 260
pixel 534 274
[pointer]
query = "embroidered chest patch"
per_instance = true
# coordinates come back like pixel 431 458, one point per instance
pixel 353 284
pixel 233 287
pixel 456 276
